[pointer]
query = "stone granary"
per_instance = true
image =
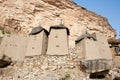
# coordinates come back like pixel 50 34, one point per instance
pixel 115 45
pixel 14 46
pixel 86 45
pixel 58 40
pixel 115 48
pixel 94 53
pixel 17 47
pixel 37 42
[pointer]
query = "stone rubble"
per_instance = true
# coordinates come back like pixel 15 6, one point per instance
pixel 42 68
pixel 48 68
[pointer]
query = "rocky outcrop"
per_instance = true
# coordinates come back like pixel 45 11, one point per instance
pixel 19 16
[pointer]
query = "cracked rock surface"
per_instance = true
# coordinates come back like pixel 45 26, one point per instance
pixel 19 16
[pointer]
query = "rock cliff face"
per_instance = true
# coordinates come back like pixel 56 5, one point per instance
pixel 19 16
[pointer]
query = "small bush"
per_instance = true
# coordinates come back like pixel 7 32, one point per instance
pixel 67 76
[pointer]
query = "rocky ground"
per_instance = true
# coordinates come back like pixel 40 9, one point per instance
pixel 50 68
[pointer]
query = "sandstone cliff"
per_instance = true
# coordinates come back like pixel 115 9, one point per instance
pixel 19 16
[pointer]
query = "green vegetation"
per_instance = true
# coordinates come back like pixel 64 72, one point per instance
pixel 67 76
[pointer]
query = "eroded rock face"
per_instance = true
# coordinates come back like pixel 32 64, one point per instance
pixel 19 16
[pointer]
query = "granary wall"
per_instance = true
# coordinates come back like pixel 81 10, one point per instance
pixel 80 48
pixel 58 42
pixel 104 49
pixel 34 46
pixel 44 44
pixel 91 49
pixel 14 46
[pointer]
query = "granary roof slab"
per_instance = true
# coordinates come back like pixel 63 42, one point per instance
pixel 37 30
pixel 61 26
pixel 86 35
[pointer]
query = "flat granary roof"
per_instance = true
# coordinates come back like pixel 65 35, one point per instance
pixel 61 26
pixel 37 30
pixel 114 41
